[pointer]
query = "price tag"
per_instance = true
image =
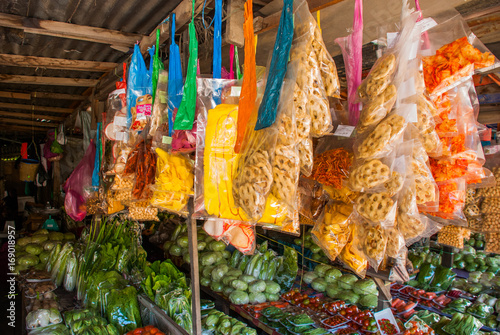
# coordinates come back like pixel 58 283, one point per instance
pixel 391 37
pixel 120 121
pixel 235 91
pixel 407 88
pixel 166 140
pixel 426 24
pixel 344 131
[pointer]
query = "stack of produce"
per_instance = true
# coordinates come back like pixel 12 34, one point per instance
pixel 34 251
pixel 168 288
pixel 219 323
pixel 346 287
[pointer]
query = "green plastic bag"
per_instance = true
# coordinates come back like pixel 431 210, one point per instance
pixel 122 309
pixel 157 64
pixel 185 115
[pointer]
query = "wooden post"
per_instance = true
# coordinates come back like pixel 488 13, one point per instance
pixel 384 296
pixel 234 22
pixel 195 276
pixel 56 172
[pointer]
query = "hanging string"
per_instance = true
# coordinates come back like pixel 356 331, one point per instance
pixel 203 15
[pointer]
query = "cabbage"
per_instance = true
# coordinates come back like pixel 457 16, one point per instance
pixel 347 281
pixel 183 241
pixel 227 291
pixel 226 254
pixel 238 297
pixel 228 279
pixel 219 272
pixel 41 232
pixel 234 272
pixel 201 246
pixel 348 296
pixel 365 286
pixel 216 286
pixel 29 260
pixel 309 277
pixel 208 258
pixel 49 245
pixel 257 298
pixel 34 249
pixel 39 238
pixel 56 236
pixel 319 284
pixel 186 258
pixel 272 287
pixel 175 250
pixel 321 269
pixel 257 286
pixel 217 246
pixel 20 254
pixel 44 257
pixel 369 301
pixel 207 271
pixel 333 290
pixel 332 275
pixel 239 285
pixel 246 278
pixel 69 236
pixel 204 281
pixel 54 316
pixel 272 297
pixel 23 241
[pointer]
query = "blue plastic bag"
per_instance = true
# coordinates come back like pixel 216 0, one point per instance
pixel 217 62
pixel 138 81
pixel 277 69
pixel 175 81
pixel 97 160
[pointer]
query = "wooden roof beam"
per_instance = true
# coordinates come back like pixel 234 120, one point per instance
pixel 29 122
pixel 69 30
pixel 29 116
pixel 56 63
pixel 40 95
pixel 9 128
pixel 36 108
pixel 56 81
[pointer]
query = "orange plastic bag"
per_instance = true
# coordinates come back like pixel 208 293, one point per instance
pixel 249 86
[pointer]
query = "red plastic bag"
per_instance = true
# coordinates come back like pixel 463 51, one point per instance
pixel 351 46
pixel 77 183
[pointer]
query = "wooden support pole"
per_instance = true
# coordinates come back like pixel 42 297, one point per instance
pixel 30 116
pixel 195 275
pixel 36 108
pixel 29 122
pixel 56 81
pixel 69 30
pixel 234 22
pixel 384 296
pixel 55 63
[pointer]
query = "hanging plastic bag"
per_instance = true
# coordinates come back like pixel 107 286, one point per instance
pixel 352 46
pixel 217 66
pixel 175 80
pixel 138 81
pixel 157 65
pixel 159 116
pixel 97 161
pixel 248 94
pixel 76 184
pixel 277 68
pixel 185 115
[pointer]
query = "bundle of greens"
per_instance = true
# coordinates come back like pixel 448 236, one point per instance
pixel 122 309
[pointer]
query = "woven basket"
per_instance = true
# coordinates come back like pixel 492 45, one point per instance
pixel 27 169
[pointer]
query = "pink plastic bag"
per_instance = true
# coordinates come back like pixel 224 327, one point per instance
pixel 351 46
pixel 76 186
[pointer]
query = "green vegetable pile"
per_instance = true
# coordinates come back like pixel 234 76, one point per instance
pixel 347 287
pixel 168 287
pixel 219 323
pixel 461 324
pixel 33 251
pixel 87 321
pixel 317 253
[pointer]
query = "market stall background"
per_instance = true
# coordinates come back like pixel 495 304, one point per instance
pixel 117 45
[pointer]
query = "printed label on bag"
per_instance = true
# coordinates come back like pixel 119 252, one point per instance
pixel 235 91
pixel 344 131
pixel 426 24
pixel 120 121
pixel 166 140
pixel 143 111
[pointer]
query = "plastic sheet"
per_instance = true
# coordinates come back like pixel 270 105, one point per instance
pixel 185 115
pixel 175 81
pixel 277 68
pixel 78 181
pixel 351 46
pixel 248 94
